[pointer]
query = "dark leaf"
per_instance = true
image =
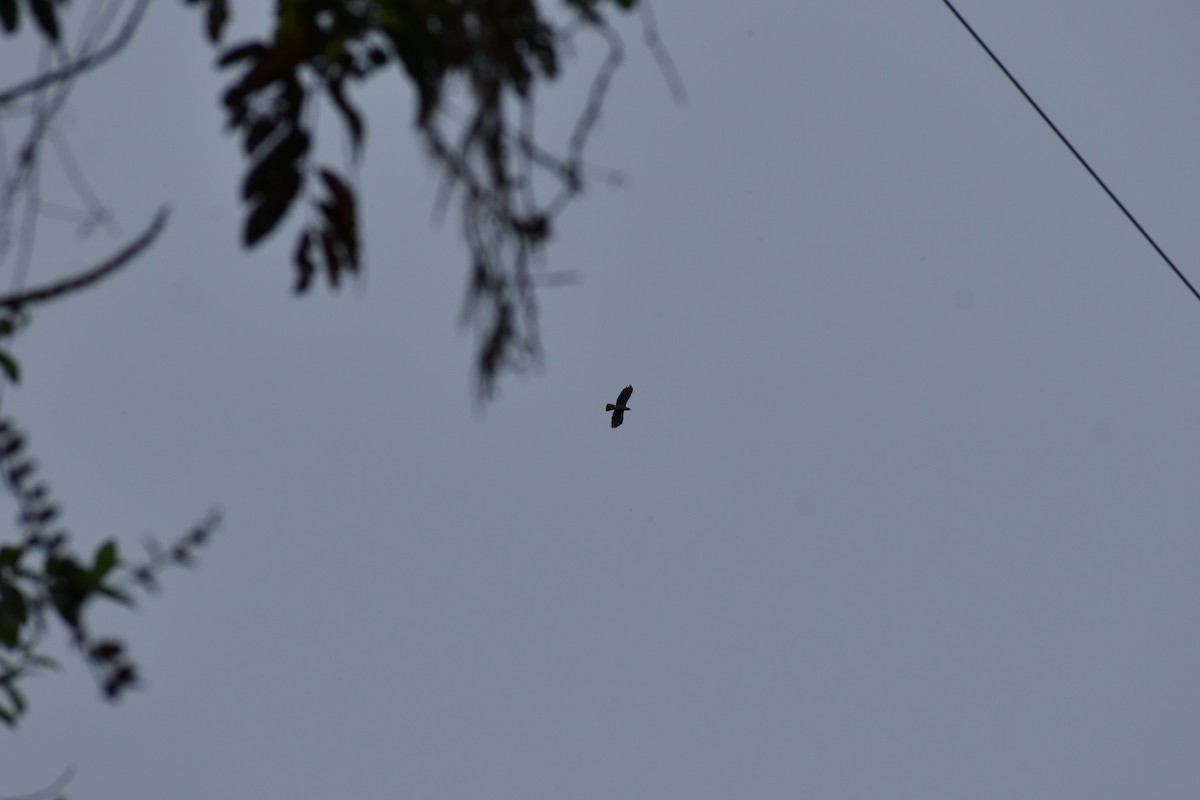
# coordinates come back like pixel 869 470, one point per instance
pixel 263 178
pixel 218 17
pixel 145 576
pixel 39 517
pixel 417 49
pixel 106 559
pixel 341 193
pixel 333 262
pixel 122 678
pixel 106 650
pixel 273 205
pixel 17 475
pixel 305 268
pixel 200 534
pixel 378 56
pixel 258 133
pixel 182 556
pixel 241 52
pixel 8 15
pixel 215 19
pixel 67 606
pixel 272 65
pixel 14 697
pixel 13 613
pixel 10 556
pixel 342 216
pixel 43 14
pixel 350 115
pixel 11 445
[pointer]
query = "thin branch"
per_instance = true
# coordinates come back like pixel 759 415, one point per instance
pixel 456 166
pixel 44 109
pixel 62 212
pixel 29 219
pixel 551 163
pixel 589 117
pixel 98 273
pixel 666 65
pixel 599 88
pixel 82 64
pixel 97 214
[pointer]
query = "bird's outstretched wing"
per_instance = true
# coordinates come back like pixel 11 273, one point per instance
pixel 618 417
pixel 624 397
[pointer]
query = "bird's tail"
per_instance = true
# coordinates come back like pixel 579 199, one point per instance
pixel 609 407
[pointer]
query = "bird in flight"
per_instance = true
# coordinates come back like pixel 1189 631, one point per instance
pixel 618 410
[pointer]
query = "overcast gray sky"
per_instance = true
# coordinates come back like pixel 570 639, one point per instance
pixel 906 504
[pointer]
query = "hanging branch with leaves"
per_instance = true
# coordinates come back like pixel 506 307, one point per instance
pixel 497 55
pixel 44 581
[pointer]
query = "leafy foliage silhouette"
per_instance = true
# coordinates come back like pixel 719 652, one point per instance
pixel 494 53
pixel 497 53
pixel 44 581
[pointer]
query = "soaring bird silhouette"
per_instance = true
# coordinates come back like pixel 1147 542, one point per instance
pixel 620 408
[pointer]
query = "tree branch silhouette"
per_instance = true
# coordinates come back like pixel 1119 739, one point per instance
pixel 82 64
pixel 60 289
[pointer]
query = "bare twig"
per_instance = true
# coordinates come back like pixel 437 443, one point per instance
pixel 589 117
pixel 24 178
pixel 599 88
pixel 46 792
pixel 81 64
pixel 97 273
pixel 97 214
pixel 654 42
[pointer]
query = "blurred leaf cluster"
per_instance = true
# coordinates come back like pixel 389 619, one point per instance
pixel 490 55
pixel 44 582
pixel 493 53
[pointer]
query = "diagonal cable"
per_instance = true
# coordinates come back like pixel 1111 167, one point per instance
pixel 1074 152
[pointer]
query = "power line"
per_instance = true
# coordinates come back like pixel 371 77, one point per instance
pixel 1074 152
